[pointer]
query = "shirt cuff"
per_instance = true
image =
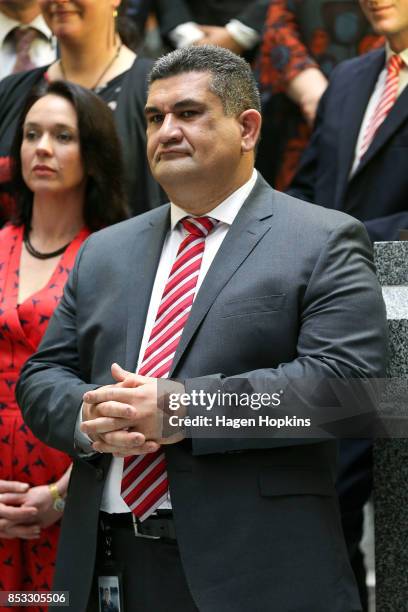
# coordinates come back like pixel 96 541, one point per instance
pixel 245 36
pixel 83 442
pixel 185 34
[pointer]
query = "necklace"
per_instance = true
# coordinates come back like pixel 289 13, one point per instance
pixel 105 70
pixel 37 254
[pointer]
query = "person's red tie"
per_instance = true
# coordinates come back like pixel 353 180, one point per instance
pixel 24 38
pixel 388 97
pixel 144 480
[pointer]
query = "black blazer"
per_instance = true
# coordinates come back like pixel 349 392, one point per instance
pixel 211 12
pixel 377 194
pixel 256 518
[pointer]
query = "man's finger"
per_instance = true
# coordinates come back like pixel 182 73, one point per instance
pixel 119 442
pixel 115 393
pixel 127 439
pixel 102 425
pixel 125 378
pixel 115 411
pixel 145 449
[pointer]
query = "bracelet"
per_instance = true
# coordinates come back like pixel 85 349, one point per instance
pixel 58 502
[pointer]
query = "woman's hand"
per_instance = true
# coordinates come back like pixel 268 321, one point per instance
pixel 17 518
pixel 40 498
pixel 306 89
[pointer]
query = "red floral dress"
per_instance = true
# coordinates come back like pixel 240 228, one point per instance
pixel 26 564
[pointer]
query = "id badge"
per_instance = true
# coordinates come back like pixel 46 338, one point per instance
pixel 110 592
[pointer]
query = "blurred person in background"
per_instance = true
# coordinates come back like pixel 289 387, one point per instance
pixel 94 55
pixel 138 11
pixel 302 43
pixel 68 181
pixel 236 25
pixel 25 39
pixel 356 160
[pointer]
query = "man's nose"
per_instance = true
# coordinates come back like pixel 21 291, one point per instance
pixel 170 129
pixel 44 145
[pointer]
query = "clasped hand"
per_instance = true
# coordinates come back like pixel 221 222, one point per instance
pixel 129 417
pixel 24 510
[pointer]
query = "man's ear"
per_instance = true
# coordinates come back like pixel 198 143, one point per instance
pixel 250 121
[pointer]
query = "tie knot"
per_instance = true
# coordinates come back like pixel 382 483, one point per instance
pixel 24 36
pixel 199 226
pixel 395 63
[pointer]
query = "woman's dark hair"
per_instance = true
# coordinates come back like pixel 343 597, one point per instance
pixel 129 30
pixel 105 201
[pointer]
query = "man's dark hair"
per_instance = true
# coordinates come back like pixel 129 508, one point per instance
pixel 105 201
pixel 231 76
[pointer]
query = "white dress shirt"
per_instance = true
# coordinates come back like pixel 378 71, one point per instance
pixel 188 33
pixel 225 213
pixel 43 49
pixel 376 97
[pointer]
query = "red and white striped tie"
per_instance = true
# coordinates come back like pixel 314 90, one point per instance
pixel 144 480
pixel 388 97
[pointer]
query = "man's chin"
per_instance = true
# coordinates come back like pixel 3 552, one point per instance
pixel 176 170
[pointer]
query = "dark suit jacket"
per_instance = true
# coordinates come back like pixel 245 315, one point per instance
pixel 291 294
pixel 377 194
pixel 211 12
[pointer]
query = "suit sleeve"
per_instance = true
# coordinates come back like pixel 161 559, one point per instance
pixel 171 14
pixel 342 338
pixel 50 389
pixel 303 184
pixel 387 227
pixel 254 15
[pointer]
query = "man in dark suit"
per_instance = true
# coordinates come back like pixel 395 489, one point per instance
pixel 233 24
pixel 284 294
pixel 355 163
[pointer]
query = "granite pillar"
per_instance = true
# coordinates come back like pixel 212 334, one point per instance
pixel 391 455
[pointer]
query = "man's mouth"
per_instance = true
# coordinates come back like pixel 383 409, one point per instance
pixel 171 154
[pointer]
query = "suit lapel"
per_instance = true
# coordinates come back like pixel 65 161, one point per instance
pixel 143 261
pixel 397 116
pixel 361 85
pixel 251 223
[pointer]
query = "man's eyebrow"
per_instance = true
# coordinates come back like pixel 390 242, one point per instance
pixel 151 109
pixel 190 102
pixel 186 103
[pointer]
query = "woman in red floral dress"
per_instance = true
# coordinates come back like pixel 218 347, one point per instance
pixel 63 191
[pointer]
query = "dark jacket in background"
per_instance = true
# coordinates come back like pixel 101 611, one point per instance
pixel 377 193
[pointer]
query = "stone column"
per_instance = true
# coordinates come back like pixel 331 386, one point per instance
pixel 391 455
